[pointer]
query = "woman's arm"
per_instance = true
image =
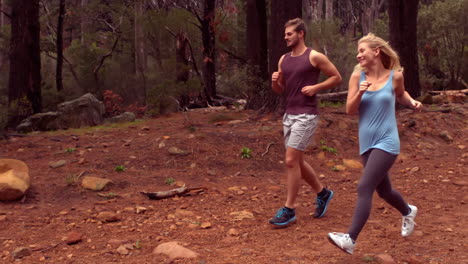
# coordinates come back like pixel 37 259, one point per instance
pixel 402 96
pixel 355 92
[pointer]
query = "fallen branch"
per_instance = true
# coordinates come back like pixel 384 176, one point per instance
pixel 465 91
pixel 329 96
pixel 267 149
pixel 182 191
pixel 48 248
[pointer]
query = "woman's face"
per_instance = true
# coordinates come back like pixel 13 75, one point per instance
pixel 366 55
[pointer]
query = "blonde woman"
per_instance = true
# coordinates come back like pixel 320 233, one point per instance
pixel 373 87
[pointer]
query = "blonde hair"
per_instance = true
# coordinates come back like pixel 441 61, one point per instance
pixel 388 55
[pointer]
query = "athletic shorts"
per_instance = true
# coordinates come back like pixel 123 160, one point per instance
pixel 299 129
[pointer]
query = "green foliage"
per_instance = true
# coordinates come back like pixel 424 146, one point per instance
pixel 137 245
pixel 238 81
pixel 331 104
pixel 71 179
pixel 70 150
pixel 325 36
pixel 326 148
pixel 19 109
pixel 120 168
pixel 169 181
pixel 109 195
pixel 443 43
pixel 246 153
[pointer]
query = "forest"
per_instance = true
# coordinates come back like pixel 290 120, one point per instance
pixel 153 57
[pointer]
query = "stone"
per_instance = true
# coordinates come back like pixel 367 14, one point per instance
pixel 122 118
pixel 39 122
pixel 205 225
pixel 95 183
pixel 83 111
pixel 353 164
pixel 177 151
pixel 174 251
pixel 108 217
pixel 445 136
pixel 21 252
pixel 14 179
pixel 416 260
pixel 233 232
pixel 73 238
pixel 57 164
pixel 240 215
pixel 385 259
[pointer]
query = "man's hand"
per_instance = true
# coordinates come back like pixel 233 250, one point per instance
pixel 309 90
pixel 276 76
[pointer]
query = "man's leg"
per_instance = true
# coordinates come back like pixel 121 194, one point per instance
pixel 310 176
pixel 294 158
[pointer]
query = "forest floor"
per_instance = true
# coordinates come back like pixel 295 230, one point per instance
pixel 228 222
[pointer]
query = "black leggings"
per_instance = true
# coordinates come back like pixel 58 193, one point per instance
pixel 377 163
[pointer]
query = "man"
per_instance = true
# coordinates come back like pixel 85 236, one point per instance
pixel 297 78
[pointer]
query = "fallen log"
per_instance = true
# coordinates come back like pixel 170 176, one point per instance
pixel 464 91
pixel 333 96
pixel 182 191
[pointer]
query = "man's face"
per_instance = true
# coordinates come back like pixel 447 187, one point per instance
pixel 292 37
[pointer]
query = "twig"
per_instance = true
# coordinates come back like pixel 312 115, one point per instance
pixel 267 149
pixel 51 247
pixel 174 192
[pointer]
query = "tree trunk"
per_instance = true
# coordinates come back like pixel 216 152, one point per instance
pixel 328 9
pixel 84 21
pixel 58 72
pixel 140 50
pixel 25 59
pixel 317 10
pixel 257 49
pixel 209 53
pixel 403 31
pixel 182 66
pixel 281 11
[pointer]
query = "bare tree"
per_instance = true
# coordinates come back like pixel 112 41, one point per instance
pixel 58 72
pixel 25 59
pixel 403 31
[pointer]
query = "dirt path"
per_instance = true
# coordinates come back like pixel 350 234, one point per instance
pixel 431 173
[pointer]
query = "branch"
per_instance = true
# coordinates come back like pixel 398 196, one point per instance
pixel 106 56
pixel 72 70
pixel 5 13
pixel 241 60
pixel 174 192
pixel 170 31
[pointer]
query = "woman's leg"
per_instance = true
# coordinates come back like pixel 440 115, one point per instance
pixel 377 163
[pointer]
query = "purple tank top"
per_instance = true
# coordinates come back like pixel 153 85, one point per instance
pixel 297 73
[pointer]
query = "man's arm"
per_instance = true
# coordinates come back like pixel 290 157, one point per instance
pixel 277 82
pixel 321 62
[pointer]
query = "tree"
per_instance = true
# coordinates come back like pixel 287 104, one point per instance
pixel 403 31
pixel 58 73
pixel 25 60
pixel 281 11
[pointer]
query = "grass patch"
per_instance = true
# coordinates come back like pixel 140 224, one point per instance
pixel 120 168
pixel 92 129
pixel 169 181
pixel 246 153
pixel 331 104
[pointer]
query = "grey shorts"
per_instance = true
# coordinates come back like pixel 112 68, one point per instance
pixel 299 129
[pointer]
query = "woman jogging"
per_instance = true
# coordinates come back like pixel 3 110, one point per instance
pixel 373 87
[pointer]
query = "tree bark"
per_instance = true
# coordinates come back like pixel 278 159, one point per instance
pixel 25 59
pixel 403 31
pixel 84 21
pixel 209 53
pixel 328 9
pixel 281 11
pixel 140 50
pixel 58 72
pixel 257 49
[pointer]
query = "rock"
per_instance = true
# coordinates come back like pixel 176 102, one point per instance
pixel 414 169
pixel 73 238
pixel 122 118
pixel 238 216
pixel 122 250
pixel 353 164
pixel 115 242
pixel 181 213
pixel 95 183
pixel 140 209
pixel 385 259
pixel 416 260
pixel 460 183
pixel 177 151
pixel 173 250
pixel 446 137
pixel 39 122
pixel 14 179
pixel 57 164
pixel 339 168
pixel 21 252
pixel 205 225
pixel 84 111
pixel 233 232
pixel 321 155
pixel 108 217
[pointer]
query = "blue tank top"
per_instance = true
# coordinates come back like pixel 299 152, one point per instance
pixel 377 121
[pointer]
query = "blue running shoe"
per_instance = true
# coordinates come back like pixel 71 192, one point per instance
pixel 322 204
pixel 283 217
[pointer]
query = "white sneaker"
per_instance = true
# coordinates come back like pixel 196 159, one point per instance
pixel 342 241
pixel 407 225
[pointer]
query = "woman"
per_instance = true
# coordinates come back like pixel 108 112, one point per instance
pixel 373 87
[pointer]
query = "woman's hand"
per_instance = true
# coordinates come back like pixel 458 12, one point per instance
pixel 363 86
pixel 416 105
